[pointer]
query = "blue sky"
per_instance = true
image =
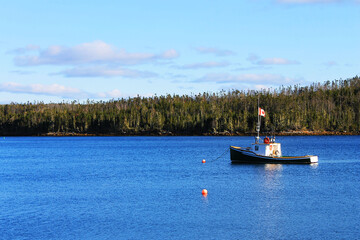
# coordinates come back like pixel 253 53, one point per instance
pixel 63 50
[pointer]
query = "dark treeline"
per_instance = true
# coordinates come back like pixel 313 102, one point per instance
pixel 331 106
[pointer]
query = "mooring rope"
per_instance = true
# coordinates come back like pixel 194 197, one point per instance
pixel 213 160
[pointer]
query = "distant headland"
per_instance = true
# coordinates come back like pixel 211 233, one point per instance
pixel 290 133
pixel 329 108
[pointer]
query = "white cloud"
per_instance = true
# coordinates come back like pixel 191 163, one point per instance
pixel 252 68
pixel 265 79
pixel 270 61
pixel 252 57
pixel 315 1
pixel 307 1
pixel 111 94
pixel 100 71
pixel 56 90
pixel 20 72
pixel 170 54
pixel 85 53
pixel 205 65
pixel 25 49
pixel 226 81
pixel 116 93
pixel 276 61
pixel 261 86
pixel 215 51
pixel 330 63
pixel 50 90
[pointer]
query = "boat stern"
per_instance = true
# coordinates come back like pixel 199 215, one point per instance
pixel 314 159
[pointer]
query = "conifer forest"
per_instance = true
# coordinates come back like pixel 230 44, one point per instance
pixel 332 106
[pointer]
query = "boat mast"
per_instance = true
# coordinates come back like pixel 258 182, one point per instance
pixel 258 123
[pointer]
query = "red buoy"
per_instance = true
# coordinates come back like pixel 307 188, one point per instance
pixel 203 161
pixel 204 192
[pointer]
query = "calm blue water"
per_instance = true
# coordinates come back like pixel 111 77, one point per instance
pixel 150 188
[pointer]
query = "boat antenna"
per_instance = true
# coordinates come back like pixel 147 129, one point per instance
pixel 273 134
pixel 258 123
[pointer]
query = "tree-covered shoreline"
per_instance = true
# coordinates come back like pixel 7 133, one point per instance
pixel 332 107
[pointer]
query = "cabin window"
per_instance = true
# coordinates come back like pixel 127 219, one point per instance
pixel 256 148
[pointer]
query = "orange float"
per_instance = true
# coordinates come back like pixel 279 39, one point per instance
pixel 204 192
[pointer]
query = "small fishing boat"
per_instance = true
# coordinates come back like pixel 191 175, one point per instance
pixel 266 151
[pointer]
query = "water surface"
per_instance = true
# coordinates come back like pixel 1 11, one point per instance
pixel 150 188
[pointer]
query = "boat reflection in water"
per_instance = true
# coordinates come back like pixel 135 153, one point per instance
pixel 314 165
pixel 272 178
pixel 273 167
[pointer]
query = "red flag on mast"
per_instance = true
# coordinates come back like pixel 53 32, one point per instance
pixel 261 112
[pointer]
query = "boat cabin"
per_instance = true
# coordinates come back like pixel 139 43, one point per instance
pixel 267 148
